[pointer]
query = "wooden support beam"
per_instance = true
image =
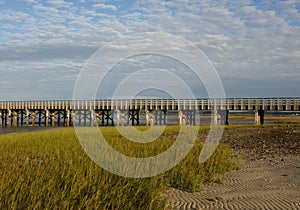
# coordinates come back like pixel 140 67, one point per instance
pixel 40 117
pixel 181 118
pixel 223 117
pixel 32 119
pixel 22 116
pixel 91 118
pixel 68 117
pixel 58 118
pixel 79 117
pixel 216 117
pixel 8 123
pixel 52 119
pixel 15 119
pixel 46 117
pixel 259 117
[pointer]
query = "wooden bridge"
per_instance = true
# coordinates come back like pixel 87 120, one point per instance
pixel 135 111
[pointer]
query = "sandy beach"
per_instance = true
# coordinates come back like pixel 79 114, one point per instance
pixel 269 177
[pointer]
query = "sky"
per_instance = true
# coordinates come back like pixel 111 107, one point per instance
pixel 254 46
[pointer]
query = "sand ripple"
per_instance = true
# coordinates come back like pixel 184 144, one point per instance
pixel 269 178
pixel 260 184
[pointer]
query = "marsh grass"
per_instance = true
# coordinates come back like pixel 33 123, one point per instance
pixel 50 170
pixel 287 122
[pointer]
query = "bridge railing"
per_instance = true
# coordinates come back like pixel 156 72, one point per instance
pixel 279 103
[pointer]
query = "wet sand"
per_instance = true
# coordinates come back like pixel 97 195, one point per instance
pixel 269 177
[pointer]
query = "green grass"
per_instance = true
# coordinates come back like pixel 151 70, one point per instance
pixel 49 170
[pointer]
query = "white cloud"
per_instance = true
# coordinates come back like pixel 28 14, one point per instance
pixel 105 6
pixel 246 10
pixel 243 39
pixel 31 1
pixel 60 3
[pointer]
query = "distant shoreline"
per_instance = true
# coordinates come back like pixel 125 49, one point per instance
pixel 21 129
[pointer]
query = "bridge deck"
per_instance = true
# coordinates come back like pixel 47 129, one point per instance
pixel 129 112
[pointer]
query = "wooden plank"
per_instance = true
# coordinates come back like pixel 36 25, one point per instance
pixel 296 107
pixel 215 104
pixel 73 105
pixel 277 104
pixel 242 104
pixel 235 105
pixel 249 104
pixel 160 104
pixel 130 104
pixel 111 104
pixel 107 104
pixel 202 104
pixel 121 105
pixel 102 106
pixel 178 104
pixel 288 104
pixel 256 104
pixel 167 104
pixel 208 104
pixel 116 103
pixel 173 104
pixel 146 105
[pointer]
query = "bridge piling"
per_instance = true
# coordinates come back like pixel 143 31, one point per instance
pixel 259 117
pixel 91 118
pixel 222 117
pixel 46 117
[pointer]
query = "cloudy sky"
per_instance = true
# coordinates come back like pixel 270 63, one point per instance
pixel 253 45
